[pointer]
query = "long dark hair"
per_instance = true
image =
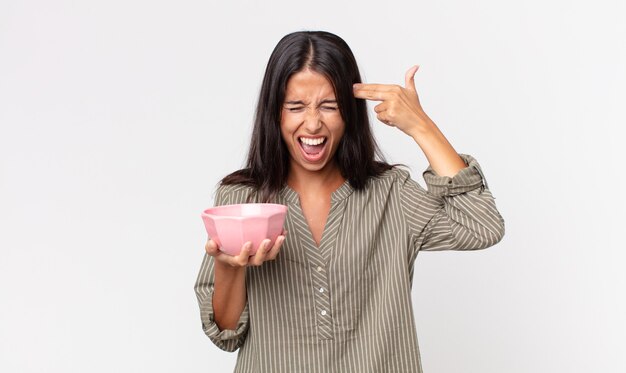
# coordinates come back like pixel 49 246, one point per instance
pixel 357 155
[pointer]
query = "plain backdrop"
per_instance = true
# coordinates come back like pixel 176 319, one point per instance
pixel 118 118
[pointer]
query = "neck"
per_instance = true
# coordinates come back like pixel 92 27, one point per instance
pixel 326 180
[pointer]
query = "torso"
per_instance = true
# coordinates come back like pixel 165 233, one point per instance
pixel 364 269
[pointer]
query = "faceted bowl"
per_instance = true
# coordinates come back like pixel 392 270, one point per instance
pixel 231 226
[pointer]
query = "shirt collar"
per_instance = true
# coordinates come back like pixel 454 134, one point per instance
pixel 339 194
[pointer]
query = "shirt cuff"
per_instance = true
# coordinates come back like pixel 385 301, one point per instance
pixel 226 339
pixel 467 179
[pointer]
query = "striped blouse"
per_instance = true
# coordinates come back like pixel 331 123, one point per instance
pixel 345 306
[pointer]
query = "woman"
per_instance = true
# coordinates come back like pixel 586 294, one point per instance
pixel 334 294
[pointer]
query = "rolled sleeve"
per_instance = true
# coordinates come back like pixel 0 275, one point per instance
pixel 465 216
pixel 467 179
pixel 227 339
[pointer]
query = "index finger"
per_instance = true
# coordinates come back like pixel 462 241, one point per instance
pixel 374 87
pixel 377 92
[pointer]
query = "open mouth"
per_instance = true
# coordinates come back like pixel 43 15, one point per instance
pixel 313 148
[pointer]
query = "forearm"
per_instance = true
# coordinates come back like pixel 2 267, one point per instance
pixel 442 157
pixel 229 295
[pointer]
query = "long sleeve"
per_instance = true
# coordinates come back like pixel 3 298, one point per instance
pixel 227 340
pixel 462 210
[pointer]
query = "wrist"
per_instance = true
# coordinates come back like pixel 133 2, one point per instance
pixel 426 129
pixel 228 270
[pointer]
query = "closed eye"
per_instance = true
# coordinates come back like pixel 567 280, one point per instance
pixel 297 109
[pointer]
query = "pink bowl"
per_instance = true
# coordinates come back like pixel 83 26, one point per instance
pixel 231 226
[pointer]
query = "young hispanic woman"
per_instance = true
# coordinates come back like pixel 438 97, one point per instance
pixel 333 293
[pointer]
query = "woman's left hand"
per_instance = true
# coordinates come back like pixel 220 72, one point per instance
pixel 400 107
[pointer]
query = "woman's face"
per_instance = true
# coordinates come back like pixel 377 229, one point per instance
pixel 311 124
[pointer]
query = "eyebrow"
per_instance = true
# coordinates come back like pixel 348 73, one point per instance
pixel 300 102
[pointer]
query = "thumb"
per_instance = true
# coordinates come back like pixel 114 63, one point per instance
pixel 409 81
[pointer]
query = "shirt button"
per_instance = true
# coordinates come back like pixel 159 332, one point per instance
pixel 321 290
pixel 323 312
pixel 319 269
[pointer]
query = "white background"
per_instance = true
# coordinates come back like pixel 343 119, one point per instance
pixel 118 118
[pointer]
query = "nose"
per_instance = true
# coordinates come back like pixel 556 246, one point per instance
pixel 313 121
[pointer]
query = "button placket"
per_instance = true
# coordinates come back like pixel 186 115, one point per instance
pixel 322 302
pixel 319 256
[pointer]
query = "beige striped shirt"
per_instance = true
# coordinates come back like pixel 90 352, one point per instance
pixel 345 306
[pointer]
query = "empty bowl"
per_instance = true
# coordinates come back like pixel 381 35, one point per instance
pixel 231 226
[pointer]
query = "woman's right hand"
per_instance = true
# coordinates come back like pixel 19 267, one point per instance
pixel 263 254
